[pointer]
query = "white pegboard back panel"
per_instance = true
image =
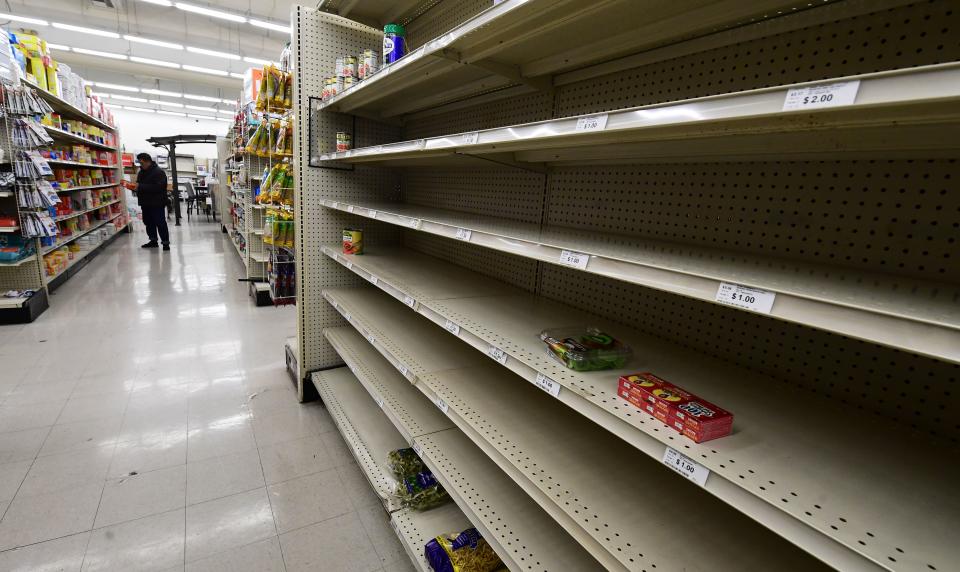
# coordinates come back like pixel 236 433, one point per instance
pixel 439 17
pixel 509 193
pixel 520 272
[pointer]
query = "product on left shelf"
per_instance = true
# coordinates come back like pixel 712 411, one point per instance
pixel 415 487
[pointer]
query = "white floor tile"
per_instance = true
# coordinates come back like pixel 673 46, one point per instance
pixel 336 544
pixel 308 500
pixel 223 476
pixel 219 525
pixel 81 435
pixel 31 519
pixel 154 543
pixel 22 445
pixel 262 556
pixel 221 437
pixel 149 453
pixel 64 471
pixel 291 459
pixel 18 418
pixel 143 494
pixel 11 475
pixel 92 407
pixel 60 555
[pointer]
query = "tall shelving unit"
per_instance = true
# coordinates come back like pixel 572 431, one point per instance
pixel 759 198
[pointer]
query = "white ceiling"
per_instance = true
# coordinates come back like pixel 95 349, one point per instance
pixel 168 24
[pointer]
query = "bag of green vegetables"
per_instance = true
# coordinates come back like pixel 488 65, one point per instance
pixel 416 487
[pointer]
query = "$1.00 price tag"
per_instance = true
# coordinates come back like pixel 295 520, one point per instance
pixel 547 384
pixel 745 297
pixel 371 213
pixel 452 328
pixel 819 96
pixel 378 400
pixel 497 354
pixel 471 138
pixel 410 301
pixel 464 234
pixel 403 370
pixel 592 123
pixel 575 259
pixel 414 223
pixel 349 208
pixel 686 466
pixel 442 405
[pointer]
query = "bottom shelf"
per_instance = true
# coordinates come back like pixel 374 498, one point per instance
pixel 415 529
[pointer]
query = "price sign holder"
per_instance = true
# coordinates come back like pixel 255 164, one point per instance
pixel 685 466
pixel 745 297
pixel 410 301
pixel 547 384
pixel 497 354
pixel 574 259
pixel 452 327
pixel 471 138
pixel 464 234
pixel 820 96
pixel 592 122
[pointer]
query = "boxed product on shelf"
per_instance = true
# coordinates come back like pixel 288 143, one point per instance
pixel 677 408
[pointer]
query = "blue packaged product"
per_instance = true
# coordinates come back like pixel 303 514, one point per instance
pixel 394 43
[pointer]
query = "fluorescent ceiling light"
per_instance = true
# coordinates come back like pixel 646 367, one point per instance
pixel 227 111
pixel 122 97
pixel 98 53
pixel 113 105
pixel 169 103
pixel 24 19
pixel 213 53
pixel 232 102
pixel 202 98
pixel 199 107
pixel 177 113
pixel 161 92
pixel 139 40
pixel 151 62
pixel 200 116
pixel 199 69
pixel 60 47
pixel 208 12
pixel 166 3
pixel 257 61
pixel 84 30
pixel 236 75
pixel 270 25
pixel 115 86
pixel 141 109
pixel 222 119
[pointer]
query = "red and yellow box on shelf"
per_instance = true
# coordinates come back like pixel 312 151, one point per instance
pixel 682 411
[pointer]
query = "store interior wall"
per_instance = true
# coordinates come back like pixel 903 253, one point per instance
pixel 137 127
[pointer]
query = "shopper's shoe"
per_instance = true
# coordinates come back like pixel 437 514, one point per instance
pixel 150 244
pixel 166 247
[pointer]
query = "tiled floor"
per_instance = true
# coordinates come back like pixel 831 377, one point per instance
pixel 147 423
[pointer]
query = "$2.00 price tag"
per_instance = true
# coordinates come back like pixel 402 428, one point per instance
pixel 547 384
pixel 745 297
pixel 820 96
pixel 471 138
pixel 452 327
pixel 464 234
pixel 575 259
pixel 592 123
pixel 498 355
pixel 686 466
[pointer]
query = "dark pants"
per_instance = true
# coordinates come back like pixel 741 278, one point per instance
pixel 155 219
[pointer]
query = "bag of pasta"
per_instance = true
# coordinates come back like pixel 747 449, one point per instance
pixel 464 552
pixel 416 487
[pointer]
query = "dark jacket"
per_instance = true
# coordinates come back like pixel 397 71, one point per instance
pixel 152 187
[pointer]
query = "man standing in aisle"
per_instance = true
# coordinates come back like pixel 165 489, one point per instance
pixel 151 189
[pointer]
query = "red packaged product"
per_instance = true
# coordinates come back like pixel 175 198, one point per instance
pixel 679 409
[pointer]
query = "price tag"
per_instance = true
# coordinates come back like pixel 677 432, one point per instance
pixel 471 138
pixel 547 384
pixel 497 354
pixel 686 466
pixel 403 370
pixel 371 339
pixel 421 144
pixel 334 205
pixel 409 301
pixel 414 223
pixel 820 96
pixel 745 297
pixel 592 123
pixel 417 449
pixel 452 328
pixel 464 234
pixel 575 259
pixel 379 401
pixel 373 280
pixel 347 316
pixel 348 264
pixel 442 405
pixel 349 208
pixel 371 213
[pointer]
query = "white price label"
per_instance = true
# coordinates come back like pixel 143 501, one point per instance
pixel 373 280
pixel 745 297
pixel 409 301
pixel 334 204
pixel 403 370
pixel 471 138
pixel 442 405
pixel 347 316
pixel 452 328
pixel 379 401
pixel 686 466
pixel 414 223
pixel 820 96
pixel 371 213
pixel 421 143
pixel 348 264
pixel 575 259
pixel 464 234
pixel 371 339
pixel 547 384
pixel 349 208
pixel 417 449
pixel 592 123
pixel 497 354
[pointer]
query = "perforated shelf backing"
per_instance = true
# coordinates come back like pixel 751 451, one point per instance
pixel 318 39
pixel 439 17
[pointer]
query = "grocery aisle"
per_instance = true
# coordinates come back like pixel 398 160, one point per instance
pixel 147 423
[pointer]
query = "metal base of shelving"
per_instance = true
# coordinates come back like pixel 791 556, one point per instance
pixel 28 311
pixel 260 292
pixel 73 269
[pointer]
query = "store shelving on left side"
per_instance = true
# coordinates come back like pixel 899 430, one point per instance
pixel 61 202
